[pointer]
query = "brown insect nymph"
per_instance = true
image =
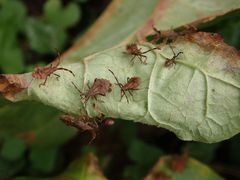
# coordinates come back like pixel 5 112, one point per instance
pixel 99 87
pixel 46 72
pixel 136 52
pixel 83 122
pixel 171 61
pixel 132 84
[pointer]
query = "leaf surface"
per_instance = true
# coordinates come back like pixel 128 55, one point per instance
pixel 197 99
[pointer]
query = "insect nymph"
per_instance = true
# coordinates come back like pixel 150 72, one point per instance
pixel 46 72
pixel 136 52
pixel 100 87
pixel 172 61
pixel 132 84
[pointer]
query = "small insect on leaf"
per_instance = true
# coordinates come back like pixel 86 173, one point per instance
pixel 172 61
pixel 132 84
pixel 178 164
pixel 46 72
pixel 133 50
pixel 83 122
pixel 100 87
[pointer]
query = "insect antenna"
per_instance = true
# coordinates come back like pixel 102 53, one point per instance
pixel 66 70
pixel 151 50
pixel 81 93
pixel 174 54
pixel 120 85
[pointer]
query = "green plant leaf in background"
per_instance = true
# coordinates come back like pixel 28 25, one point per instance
pixel 44 160
pixel 143 156
pixel 62 18
pixel 13 148
pixel 49 33
pixel 193 170
pixel 84 168
pixel 11 23
pixel 203 152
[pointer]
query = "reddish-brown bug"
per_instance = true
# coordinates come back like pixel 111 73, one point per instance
pixel 132 84
pixel 83 122
pixel 179 163
pixel 99 87
pixel 46 72
pixel 136 52
pixel 171 61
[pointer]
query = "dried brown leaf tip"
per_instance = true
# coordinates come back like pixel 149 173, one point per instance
pixel 136 52
pixel 46 72
pixel 178 164
pixel 172 61
pixel 83 123
pixel 131 85
pixel 100 87
pixel 11 85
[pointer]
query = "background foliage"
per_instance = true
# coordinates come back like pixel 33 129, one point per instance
pixel 33 142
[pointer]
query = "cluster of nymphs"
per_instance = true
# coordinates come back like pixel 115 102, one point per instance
pixel 101 87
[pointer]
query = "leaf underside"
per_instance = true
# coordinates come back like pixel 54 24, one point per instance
pixel 197 99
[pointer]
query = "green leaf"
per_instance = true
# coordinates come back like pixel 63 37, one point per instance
pixel 85 168
pixel 44 160
pixel 70 15
pixel 44 38
pixel 52 9
pixel 11 22
pixel 203 152
pixel 13 148
pixel 138 150
pixel 9 17
pixel 193 170
pixel 143 155
pixel 61 17
pixel 9 169
pixel 11 60
pixel 37 124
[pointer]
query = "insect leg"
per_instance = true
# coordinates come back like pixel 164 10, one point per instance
pixel 93 134
pixel 151 50
pixel 178 54
pixel 58 76
pixel 143 56
pixel 174 55
pixel 120 85
pixel 123 93
pixel 132 60
pixel 43 84
pixel 66 70
pixel 81 93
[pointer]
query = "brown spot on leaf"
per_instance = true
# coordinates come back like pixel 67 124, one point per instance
pixel 214 43
pixel 11 84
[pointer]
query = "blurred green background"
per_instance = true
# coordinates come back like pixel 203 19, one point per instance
pixel 33 142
